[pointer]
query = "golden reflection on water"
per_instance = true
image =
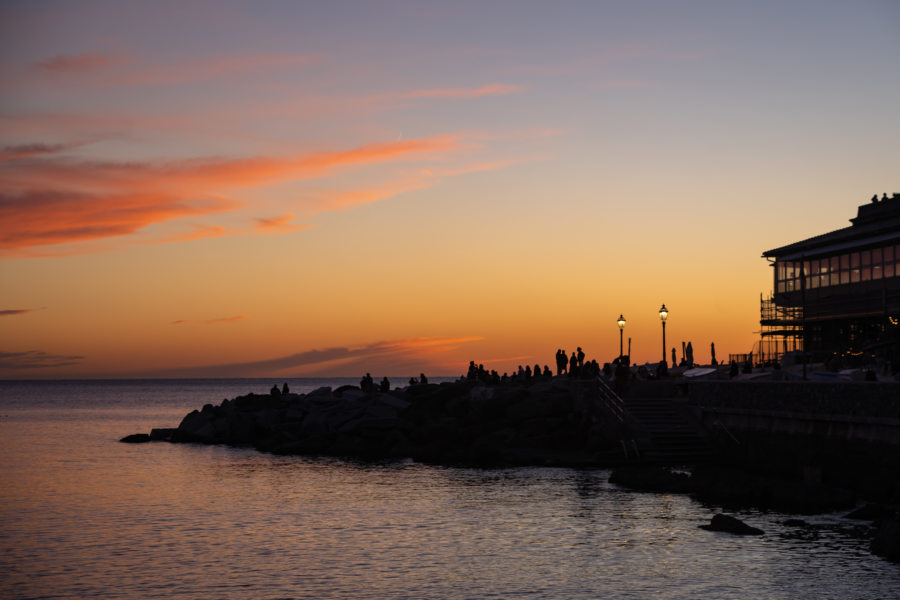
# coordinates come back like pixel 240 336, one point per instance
pixel 83 514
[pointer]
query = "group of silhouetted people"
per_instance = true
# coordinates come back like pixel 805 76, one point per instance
pixel 284 391
pixel 573 366
pixel 367 384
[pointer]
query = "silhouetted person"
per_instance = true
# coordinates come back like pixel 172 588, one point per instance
pixel 537 371
pixel 875 199
pixel 422 378
pixel 548 374
pixel 275 392
pixel 413 381
pixel 674 358
pixel 733 370
pixel 690 355
pixel 385 385
pixel 712 351
pixel 580 357
pixel 573 365
pixel 284 389
pixel 561 362
pixel 367 384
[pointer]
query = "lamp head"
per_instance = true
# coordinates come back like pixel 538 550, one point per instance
pixel 663 313
pixel 621 322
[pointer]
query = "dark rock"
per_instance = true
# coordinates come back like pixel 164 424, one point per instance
pixel 136 438
pixel 796 523
pixel 161 434
pixel 196 427
pixel 886 542
pixel 651 479
pixel 731 525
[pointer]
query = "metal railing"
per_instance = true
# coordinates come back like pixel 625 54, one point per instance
pixel 611 400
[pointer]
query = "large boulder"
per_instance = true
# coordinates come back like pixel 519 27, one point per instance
pixel 196 426
pixel 162 433
pixel 731 525
pixel 651 479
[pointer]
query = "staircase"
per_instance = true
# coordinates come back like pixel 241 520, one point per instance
pixel 672 438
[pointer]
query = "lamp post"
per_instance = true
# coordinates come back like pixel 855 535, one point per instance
pixel 663 315
pixel 621 323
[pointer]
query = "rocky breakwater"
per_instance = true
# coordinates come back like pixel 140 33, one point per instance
pixel 547 422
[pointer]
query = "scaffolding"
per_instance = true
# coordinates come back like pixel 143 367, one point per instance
pixel 781 330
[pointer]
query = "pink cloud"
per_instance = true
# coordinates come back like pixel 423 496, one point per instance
pixel 79 63
pixel 49 217
pixel 201 70
pixel 121 70
pixel 224 320
pixel 423 179
pixel 493 89
pixel 93 200
pixel 19 152
pixel 278 224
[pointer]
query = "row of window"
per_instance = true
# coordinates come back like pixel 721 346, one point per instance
pixel 853 267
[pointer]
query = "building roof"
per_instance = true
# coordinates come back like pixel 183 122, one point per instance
pixel 875 224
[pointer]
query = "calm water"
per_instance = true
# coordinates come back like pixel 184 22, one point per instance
pixel 83 516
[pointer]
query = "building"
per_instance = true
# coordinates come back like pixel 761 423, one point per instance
pixel 838 294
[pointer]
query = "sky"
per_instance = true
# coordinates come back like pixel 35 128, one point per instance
pixel 289 189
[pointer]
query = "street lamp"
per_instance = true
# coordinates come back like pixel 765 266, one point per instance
pixel 663 315
pixel 621 323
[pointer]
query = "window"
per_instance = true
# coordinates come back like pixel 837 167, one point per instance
pixel 876 263
pixel 835 270
pixel 854 267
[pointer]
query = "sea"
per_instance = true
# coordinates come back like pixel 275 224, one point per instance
pixel 84 516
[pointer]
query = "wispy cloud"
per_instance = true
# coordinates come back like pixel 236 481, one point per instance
pixel 19 152
pixel 94 200
pixel 212 321
pixel 409 355
pixel 422 179
pixel 126 70
pixel 36 359
pixel 12 312
pixel 53 217
pixel 79 63
pixel 224 320
pixel 280 224
pixel 491 89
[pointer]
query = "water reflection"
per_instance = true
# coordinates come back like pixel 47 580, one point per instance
pixel 82 514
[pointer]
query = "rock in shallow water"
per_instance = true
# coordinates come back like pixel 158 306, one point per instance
pixel 732 525
pixel 136 438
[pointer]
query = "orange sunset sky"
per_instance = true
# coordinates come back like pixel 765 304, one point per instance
pixel 278 189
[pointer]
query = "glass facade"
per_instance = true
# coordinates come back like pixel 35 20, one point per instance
pixel 841 269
